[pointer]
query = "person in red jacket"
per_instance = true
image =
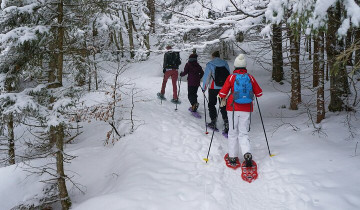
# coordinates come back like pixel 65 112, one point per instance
pixel 239 114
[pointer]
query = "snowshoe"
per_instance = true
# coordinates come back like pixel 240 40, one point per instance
pixel 212 126
pixel 175 101
pixel 225 134
pixel 194 113
pixel 161 96
pixel 249 174
pixel 232 162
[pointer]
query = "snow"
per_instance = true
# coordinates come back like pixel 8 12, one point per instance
pixel 160 166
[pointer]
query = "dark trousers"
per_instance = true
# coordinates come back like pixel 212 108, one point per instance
pixel 192 94
pixel 212 105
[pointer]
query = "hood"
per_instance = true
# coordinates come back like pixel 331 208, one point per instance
pixel 218 62
pixel 240 71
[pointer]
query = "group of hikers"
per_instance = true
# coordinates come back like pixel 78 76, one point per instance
pixel 234 91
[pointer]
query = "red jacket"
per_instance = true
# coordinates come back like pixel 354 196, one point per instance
pixel 229 84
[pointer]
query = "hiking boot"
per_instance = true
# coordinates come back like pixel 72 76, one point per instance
pixel 194 107
pixel 248 159
pixel 161 96
pixel 212 125
pixel 175 101
pixel 232 161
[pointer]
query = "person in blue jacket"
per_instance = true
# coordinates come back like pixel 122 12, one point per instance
pixel 216 72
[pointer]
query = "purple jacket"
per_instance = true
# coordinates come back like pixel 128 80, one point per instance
pixel 195 72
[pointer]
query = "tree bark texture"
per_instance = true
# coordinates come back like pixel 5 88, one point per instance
pixel 63 193
pixel 348 45
pixel 277 56
pixel 320 101
pixel 309 46
pixel 9 88
pixel 130 33
pixel 151 7
pixel 338 76
pixel 60 43
pixel 11 139
pixel 58 131
pixel 295 67
pixel 316 62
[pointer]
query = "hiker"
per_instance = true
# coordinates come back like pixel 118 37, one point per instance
pixel 239 112
pixel 195 73
pixel 216 72
pixel 170 69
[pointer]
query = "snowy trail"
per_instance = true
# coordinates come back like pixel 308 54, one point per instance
pixel 170 162
pixel 160 166
pixel 182 143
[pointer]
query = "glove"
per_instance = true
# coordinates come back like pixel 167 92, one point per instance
pixel 181 74
pixel 164 70
pixel 222 101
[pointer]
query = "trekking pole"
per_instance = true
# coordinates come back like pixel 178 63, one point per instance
pixel 264 128
pixel 206 132
pixel 204 94
pixel 212 136
pixel 178 95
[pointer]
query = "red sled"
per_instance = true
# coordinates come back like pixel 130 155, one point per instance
pixel 249 174
pixel 228 163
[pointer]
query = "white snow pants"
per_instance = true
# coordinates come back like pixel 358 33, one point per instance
pixel 238 138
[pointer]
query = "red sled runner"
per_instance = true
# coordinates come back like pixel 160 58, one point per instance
pixel 248 174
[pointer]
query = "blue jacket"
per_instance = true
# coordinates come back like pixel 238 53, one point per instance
pixel 210 73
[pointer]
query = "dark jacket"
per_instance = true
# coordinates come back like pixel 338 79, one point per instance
pixel 195 72
pixel 171 60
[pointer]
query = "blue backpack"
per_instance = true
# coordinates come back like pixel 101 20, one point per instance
pixel 243 90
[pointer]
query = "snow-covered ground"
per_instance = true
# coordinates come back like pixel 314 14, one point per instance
pixel 161 165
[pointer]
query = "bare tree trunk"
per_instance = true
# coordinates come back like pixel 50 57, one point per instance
pixel 316 62
pixel 295 68
pixel 309 46
pixel 121 40
pixel 277 56
pixel 130 33
pixel 81 74
pixel 320 75
pixel 348 45
pixel 151 7
pixel 9 88
pixel 60 43
pixel 63 193
pixel 59 130
pixel 11 139
pixel 147 44
pixel 332 50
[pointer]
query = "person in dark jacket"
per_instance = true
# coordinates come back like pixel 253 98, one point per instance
pixel 171 65
pixel 195 73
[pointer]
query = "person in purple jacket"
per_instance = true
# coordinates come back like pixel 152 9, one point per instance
pixel 195 73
